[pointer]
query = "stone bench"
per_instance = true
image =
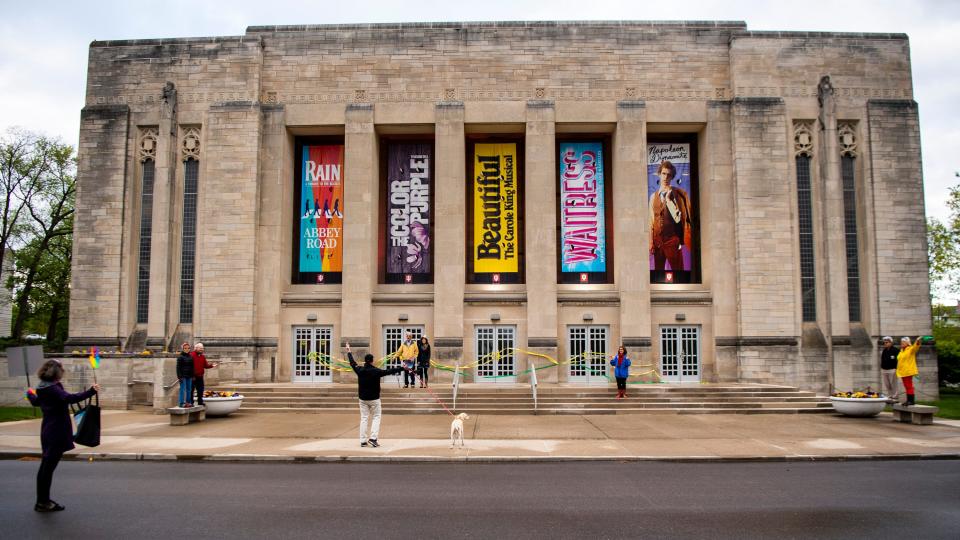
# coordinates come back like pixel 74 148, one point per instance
pixel 914 414
pixel 181 416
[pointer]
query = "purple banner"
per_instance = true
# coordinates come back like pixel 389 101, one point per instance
pixel 409 182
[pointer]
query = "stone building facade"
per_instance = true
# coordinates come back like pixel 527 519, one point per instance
pixel 802 227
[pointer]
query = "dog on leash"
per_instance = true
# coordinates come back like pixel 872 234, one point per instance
pixel 456 429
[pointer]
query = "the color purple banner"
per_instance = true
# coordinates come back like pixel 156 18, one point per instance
pixel 409 181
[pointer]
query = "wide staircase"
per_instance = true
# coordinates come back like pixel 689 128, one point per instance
pixel 518 399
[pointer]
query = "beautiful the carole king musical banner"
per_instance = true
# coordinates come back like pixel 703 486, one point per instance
pixel 408 208
pixel 583 239
pixel 671 207
pixel 496 233
pixel 321 209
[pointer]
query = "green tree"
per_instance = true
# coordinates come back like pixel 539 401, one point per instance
pixel 42 275
pixel 943 241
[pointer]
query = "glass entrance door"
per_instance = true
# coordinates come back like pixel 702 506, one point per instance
pixel 393 336
pixel 587 347
pixel 494 346
pixel 311 353
pixel 680 353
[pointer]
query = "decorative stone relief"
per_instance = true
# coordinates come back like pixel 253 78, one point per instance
pixel 824 89
pixel 847 137
pixel 147 144
pixel 190 144
pixel 803 138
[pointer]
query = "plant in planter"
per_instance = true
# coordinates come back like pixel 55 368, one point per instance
pixel 858 403
pixel 221 403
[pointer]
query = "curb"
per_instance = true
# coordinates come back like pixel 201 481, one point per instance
pixel 277 458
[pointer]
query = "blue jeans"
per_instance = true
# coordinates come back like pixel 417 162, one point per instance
pixel 186 391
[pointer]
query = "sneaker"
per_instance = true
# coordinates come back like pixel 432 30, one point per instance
pixel 374 443
pixel 49 506
pixel 363 444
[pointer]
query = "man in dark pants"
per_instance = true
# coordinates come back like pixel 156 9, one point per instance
pixel 200 364
pixel 368 382
pixel 888 367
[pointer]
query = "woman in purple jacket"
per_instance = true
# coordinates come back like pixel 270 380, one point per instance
pixel 56 431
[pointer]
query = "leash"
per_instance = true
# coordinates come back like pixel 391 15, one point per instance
pixel 427 388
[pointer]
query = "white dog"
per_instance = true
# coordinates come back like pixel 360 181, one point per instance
pixel 456 429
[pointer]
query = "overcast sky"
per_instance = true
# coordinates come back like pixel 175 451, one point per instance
pixel 43 45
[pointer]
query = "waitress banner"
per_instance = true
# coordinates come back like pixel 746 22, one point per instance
pixel 582 236
pixel 321 209
pixel 496 234
pixel 408 208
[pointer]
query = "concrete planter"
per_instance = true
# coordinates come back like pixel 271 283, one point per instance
pixel 859 406
pixel 222 406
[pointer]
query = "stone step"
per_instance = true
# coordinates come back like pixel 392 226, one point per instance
pixel 641 410
pixel 529 406
pixel 603 394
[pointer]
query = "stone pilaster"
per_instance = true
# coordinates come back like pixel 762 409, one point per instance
pixel 540 184
pixel 449 232
pixel 903 288
pixel 98 225
pixel 833 243
pixel 768 327
pixel 227 213
pixel 360 223
pixel 718 237
pixel 163 241
pixel 631 227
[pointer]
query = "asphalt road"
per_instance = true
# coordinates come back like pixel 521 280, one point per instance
pixel 875 499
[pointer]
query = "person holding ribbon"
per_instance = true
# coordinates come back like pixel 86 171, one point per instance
pixel 407 353
pixel 56 430
pixel 368 390
pixel 907 367
pixel 621 370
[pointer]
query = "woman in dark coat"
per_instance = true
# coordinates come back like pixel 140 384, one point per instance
pixel 56 430
pixel 423 361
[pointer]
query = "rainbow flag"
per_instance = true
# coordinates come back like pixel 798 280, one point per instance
pixel 94 357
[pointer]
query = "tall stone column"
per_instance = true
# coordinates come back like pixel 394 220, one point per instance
pixel 162 242
pixel 228 205
pixel 767 295
pixel 833 248
pixel 541 230
pixel 360 225
pixel 101 171
pixel 631 228
pixel 449 231
pixel 719 237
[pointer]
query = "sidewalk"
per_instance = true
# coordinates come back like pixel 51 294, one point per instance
pixel 672 437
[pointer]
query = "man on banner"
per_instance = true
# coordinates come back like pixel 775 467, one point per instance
pixel 669 221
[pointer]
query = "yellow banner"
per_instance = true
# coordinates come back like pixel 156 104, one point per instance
pixel 496 232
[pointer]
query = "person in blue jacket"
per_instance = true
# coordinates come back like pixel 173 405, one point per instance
pixel 56 430
pixel 621 370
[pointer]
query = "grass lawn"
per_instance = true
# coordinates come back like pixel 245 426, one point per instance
pixel 9 414
pixel 949 403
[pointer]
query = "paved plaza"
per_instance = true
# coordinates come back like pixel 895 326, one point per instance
pixel 333 436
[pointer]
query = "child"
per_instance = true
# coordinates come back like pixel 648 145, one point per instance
pixel 185 374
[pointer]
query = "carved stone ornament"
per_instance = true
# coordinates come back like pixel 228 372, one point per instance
pixel 847 137
pixel 190 144
pixel 803 138
pixel 147 144
pixel 824 89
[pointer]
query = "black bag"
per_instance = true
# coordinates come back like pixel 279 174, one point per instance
pixel 88 423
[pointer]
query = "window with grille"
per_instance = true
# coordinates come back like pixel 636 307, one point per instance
pixel 188 246
pixel 808 289
pixel 146 233
pixel 850 232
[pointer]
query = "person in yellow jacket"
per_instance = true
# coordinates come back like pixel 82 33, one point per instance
pixel 907 366
pixel 407 353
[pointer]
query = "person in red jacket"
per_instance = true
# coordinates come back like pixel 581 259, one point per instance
pixel 200 364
